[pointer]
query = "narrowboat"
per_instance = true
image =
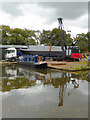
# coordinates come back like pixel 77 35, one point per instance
pixel 32 60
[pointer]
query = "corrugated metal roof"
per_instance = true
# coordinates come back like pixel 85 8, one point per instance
pixel 44 48
pixel 15 46
pixel 35 47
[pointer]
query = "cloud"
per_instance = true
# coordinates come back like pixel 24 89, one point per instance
pixel 67 10
pixel 30 18
pixel 78 26
pixel 11 8
pixel 38 10
pixel 4 18
pixel 47 13
pixel 51 10
pixel 81 21
pixel 31 21
pixel 44 1
pixel 28 21
pixel 43 15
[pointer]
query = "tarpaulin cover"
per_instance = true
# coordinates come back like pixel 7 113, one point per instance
pixel 76 55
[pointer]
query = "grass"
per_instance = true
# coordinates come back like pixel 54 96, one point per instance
pixel 84 63
pixel 80 68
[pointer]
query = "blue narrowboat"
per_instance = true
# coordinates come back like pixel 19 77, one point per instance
pixel 32 60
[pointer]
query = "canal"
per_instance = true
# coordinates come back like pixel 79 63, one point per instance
pixel 43 93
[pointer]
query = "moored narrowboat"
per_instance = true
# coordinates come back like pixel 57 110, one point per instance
pixel 32 60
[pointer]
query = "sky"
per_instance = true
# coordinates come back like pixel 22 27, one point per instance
pixel 43 15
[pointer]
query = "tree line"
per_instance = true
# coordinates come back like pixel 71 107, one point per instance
pixel 17 36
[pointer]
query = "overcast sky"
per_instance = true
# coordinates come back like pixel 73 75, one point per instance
pixel 43 15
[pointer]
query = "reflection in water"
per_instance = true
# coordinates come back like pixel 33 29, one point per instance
pixel 41 93
pixel 15 77
pixel 76 85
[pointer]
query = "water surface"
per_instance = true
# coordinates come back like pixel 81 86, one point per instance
pixel 37 93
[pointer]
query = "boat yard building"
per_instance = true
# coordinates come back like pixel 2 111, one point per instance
pixel 55 51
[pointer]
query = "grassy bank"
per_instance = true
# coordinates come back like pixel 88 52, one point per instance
pixel 72 66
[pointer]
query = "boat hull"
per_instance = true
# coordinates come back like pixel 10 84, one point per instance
pixel 36 65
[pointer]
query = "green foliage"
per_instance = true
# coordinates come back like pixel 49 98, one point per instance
pixel 88 36
pixel 57 37
pixel 82 42
pixel 30 41
pixel 54 37
pixel 45 37
pixel 17 36
pixel 69 39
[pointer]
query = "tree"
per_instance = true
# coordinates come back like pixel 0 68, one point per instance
pixel 88 36
pixel 16 36
pixel 69 39
pixel 30 41
pixel 45 37
pixel 56 37
pixel 4 29
pixel 82 42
